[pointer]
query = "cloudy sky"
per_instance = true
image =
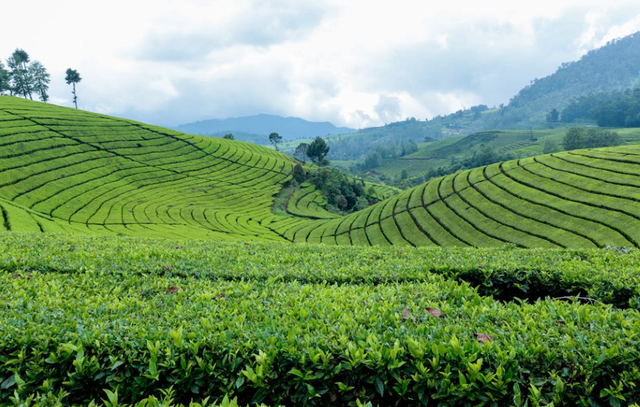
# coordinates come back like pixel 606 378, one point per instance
pixel 356 63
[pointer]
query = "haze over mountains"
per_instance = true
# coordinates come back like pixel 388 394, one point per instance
pixel 289 128
pixel 613 67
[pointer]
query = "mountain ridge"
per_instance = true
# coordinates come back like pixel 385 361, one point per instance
pixel 289 128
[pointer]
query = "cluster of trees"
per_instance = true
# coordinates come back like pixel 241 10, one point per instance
pixel 23 77
pixel 590 137
pixel 384 152
pixel 615 109
pixel 485 155
pixel 342 194
pixel 316 151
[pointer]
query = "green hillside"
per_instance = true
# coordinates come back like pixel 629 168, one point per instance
pixel 73 171
pixel 63 170
pixel 227 312
pixel 173 322
pixel 611 68
pixel 507 143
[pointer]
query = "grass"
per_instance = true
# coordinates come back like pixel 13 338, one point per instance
pixel 515 142
pixel 69 171
pixel 281 324
pixel 96 309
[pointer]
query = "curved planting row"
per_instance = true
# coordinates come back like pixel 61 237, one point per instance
pixel 65 170
pixel 307 202
pixel 286 324
pixel 586 198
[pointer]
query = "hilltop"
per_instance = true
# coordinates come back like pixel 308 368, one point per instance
pixel 70 171
pixel 256 128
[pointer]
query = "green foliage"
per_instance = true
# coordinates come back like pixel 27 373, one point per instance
pixel 40 80
pixel 121 321
pixel 317 151
pixel 549 147
pixel 20 81
pixel 68 171
pixel 4 79
pixel 553 116
pixel 301 151
pixel 229 136
pixel 299 174
pixel 72 77
pixel 340 191
pixel 372 160
pixel 581 137
pixel 275 139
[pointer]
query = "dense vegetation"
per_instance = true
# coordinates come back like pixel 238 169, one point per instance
pixel 612 68
pixel 577 138
pixel 69 171
pixel 616 109
pixel 24 77
pixel 112 319
pixel 181 321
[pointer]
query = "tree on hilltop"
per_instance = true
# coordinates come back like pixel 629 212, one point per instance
pixel 317 151
pixel 301 151
pixel 229 137
pixel 40 79
pixel 275 139
pixel 72 78
pixel 19 78
pixel 4 79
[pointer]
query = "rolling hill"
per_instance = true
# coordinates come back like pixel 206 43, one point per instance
pixel 507 143
pixel 63 170
pixel 223 311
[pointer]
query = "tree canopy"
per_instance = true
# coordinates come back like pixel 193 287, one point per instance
pixel 275 139
pixel 591 137
pixel 72 78
pixel 317 151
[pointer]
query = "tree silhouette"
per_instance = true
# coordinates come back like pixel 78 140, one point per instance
pixel 275 139
pixel 72 78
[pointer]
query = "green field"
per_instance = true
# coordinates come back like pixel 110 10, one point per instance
pixel 518 143
pixel 63 170
pixel 142 266
pixel 282 324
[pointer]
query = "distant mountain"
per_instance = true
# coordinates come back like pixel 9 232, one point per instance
pixel 611 68
pixel 614 67
pixel 290 128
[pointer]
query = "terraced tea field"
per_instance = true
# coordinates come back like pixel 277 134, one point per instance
pixel 63 170
pixel 160 322
pixel 228 312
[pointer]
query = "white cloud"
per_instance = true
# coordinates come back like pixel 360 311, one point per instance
pixel 358 62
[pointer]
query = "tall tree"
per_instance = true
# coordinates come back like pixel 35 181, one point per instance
pixel 72 78
pixel 20 80
pixel 301 151
pixel 275 139
pixel 4 79
pixel 40 79
pixel 317 151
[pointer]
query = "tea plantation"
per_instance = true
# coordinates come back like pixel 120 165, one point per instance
pixel 164 277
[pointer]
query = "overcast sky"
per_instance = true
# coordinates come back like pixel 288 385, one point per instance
pixel 356 63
